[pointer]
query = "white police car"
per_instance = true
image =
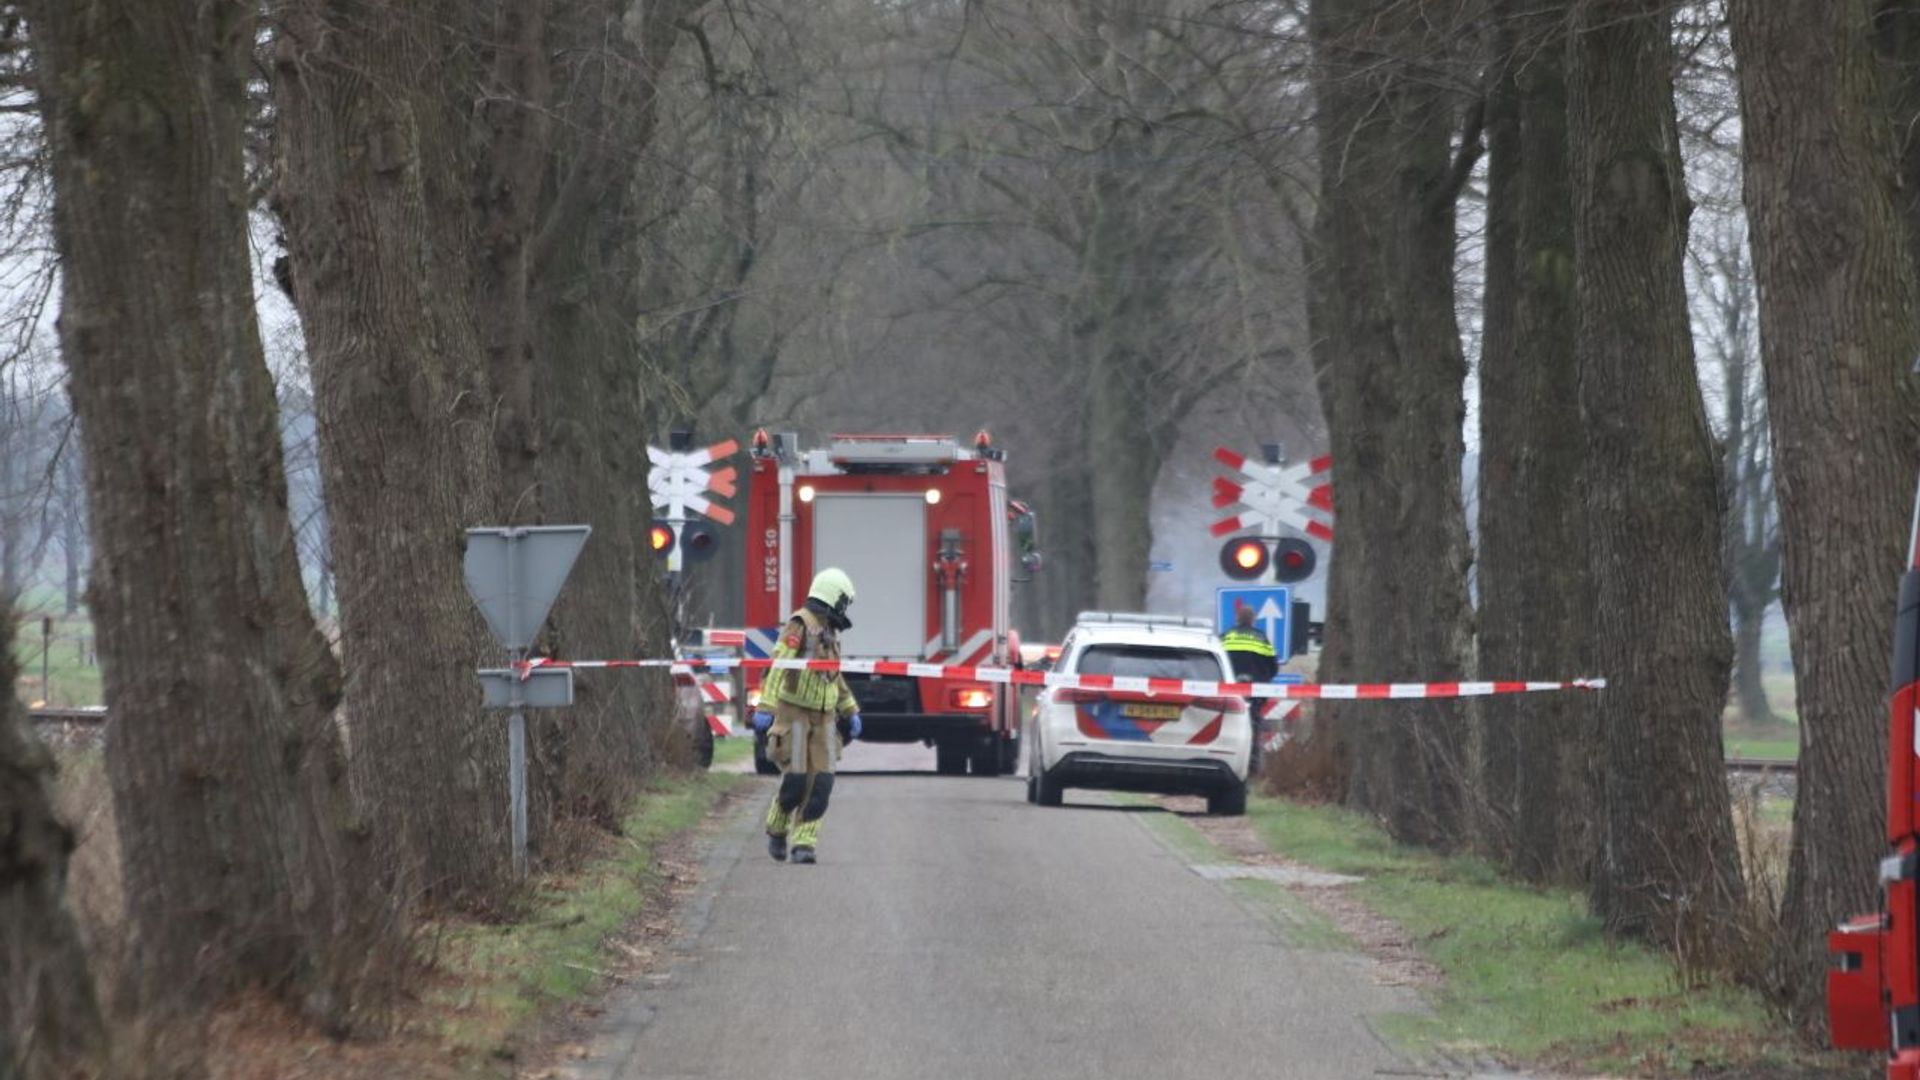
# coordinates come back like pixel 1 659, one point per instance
pixel 1124 736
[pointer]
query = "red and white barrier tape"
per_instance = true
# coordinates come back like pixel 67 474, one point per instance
pixel 710 689
pixel 1120 683
pixel 1279 719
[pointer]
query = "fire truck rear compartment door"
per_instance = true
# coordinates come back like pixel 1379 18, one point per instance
pixel 881 542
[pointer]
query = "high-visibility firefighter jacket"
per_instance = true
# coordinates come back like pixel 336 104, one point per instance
pixel 1252 654
pixel 807 637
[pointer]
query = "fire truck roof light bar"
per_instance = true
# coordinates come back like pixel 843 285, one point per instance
pixel 904 450
pixel 844 437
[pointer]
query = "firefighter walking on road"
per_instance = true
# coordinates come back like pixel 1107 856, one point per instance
pixel 1254 661
pixel 812 714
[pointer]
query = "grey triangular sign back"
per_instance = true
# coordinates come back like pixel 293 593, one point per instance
pixel 515 574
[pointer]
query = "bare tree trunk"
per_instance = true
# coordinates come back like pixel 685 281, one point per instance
pixel 1122 465
pixel 594 470
pixel 1114 332
pixel 375 156
pixel 1498 763
pixel 1390 370
pixel 1837 336
pixel 1066 584
pixel 517 118
pixel 1533 570
pixel 72 544
pixel 224 759
pixel 50 1021
pixel 1128 232
pixel 1668 867
pixel 544 171
pixel 1746 478
pixel 323 587
pixel 71 490
pixel 593 402
pixel 1896 36
pixel 1749 689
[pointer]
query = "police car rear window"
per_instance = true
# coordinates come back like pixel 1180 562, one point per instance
pixel 1149 661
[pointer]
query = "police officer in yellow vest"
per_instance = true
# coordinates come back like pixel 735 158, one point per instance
pixel 812 714
pixel 1254 661
pixel 1248 649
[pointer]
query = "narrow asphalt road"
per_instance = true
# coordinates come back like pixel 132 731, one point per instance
pixel 953 931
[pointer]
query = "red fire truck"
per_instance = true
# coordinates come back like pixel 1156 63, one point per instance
pixel 926 529
pixel 1873 986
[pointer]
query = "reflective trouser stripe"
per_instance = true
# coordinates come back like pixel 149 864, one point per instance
pixel 799 832
pixel 809 746
pixel 806 834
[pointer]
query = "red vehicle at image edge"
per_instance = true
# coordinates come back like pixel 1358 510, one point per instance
pixel 925 527
pixel 1873 988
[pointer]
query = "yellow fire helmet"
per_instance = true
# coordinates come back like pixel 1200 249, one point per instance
pixel 833 588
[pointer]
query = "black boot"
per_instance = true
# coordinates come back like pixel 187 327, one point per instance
pixel 777 847
pixel 803 855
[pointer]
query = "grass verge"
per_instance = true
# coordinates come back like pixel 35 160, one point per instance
pixel 65 658
pixel 1530 975
pixel 732 750
pixel 1765 749
pixel 496 980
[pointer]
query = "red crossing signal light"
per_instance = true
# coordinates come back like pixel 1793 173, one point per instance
pixel 699 541
pixel 1293 560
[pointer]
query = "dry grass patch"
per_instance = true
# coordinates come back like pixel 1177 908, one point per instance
pixel 490 988
pixel 83 798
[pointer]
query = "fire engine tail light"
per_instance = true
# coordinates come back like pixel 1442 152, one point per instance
pixel 974 698
pixel 806 493
pixel 933 496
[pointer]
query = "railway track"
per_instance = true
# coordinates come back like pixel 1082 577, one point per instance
pixel 1782 766
pixel 76 727
pixel 91 715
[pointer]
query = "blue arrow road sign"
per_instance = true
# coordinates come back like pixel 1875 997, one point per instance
pixel 1272 606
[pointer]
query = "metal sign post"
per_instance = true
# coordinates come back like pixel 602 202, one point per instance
pixel 514 575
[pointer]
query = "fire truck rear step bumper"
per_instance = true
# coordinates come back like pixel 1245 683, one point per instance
pixel 918 727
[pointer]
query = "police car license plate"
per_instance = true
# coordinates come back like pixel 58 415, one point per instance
pixel 1143 711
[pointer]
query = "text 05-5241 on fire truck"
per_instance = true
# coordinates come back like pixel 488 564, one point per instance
pixel 925 524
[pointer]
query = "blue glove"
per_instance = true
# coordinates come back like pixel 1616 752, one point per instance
pixel 850 727
pixel 762 720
